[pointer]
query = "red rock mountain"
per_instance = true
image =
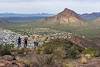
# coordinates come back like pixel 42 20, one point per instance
pixel 65 17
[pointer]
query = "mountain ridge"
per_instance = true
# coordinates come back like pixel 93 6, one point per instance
pixel 90 16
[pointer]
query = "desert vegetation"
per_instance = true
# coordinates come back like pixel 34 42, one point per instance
pixel 56 53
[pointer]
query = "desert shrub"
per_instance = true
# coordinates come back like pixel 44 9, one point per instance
pixel 38 50
pixel 45 60
pixel 48 49
pixel 59 53
pixel 69 65
pixel 73 52
pixel 5 49
pixel 90 51
pixel 22 51
pixel 61 49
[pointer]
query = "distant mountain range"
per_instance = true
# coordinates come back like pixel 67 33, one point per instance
pixel 91 16
pixel 14 17
pixel 23 15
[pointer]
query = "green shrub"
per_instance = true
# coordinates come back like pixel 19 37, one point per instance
pixel 61 49
pixel 48 49
pixel 91 51
pixel 72 52
pixel 5 49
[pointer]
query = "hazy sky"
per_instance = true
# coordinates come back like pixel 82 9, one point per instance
pixel 49 6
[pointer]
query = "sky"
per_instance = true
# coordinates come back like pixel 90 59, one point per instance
pixel 48 6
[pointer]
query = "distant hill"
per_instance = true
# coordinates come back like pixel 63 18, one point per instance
pixel 23 15
pixel 67 16
pixel 91 16
pixel 3 23
pixel 12 17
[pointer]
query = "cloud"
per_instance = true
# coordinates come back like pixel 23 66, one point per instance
pixel 16 0
pixel 48 6
pixel 48 0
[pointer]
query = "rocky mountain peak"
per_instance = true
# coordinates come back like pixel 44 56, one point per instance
pixel 66 10
pixel 67 16
pixel 69 13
